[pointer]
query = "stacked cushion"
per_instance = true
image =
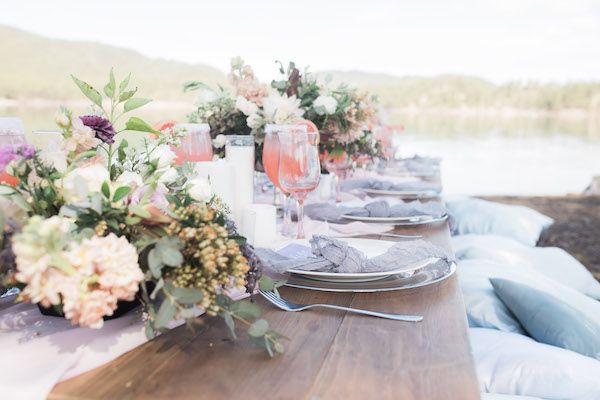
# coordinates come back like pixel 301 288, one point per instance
pixel 509 363
pixel 478 216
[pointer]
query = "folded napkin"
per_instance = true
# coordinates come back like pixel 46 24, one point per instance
pixel 370 183
pixel 333 255
pixel 380 209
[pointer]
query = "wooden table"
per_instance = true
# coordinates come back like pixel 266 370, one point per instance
pixel 331 354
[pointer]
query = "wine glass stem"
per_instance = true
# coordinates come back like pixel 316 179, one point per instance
pixel 300 218
pixel 338 189
pixel 287 215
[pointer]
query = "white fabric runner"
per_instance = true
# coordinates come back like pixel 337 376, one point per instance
pixel 39 351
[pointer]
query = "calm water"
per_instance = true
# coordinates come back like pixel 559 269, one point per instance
pixel 483 155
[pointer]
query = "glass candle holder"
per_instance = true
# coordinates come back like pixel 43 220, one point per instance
pixel 239 152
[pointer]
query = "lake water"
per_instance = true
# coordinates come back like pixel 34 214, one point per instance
pixel 481 155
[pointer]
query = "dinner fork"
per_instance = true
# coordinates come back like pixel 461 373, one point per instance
pixel 289 306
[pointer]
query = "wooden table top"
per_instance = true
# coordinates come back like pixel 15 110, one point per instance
pixel 331 354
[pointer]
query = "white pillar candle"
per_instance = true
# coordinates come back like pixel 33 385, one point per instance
pixel 239 152
pixel 259 224
pixel 222 179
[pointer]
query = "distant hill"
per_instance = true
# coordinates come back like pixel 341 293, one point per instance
pixel 35 66
pixel 32 66
pixel 458 91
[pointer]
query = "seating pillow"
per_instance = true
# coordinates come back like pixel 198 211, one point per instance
pixel 552 262
pixel 521 223
pixel 550 320
pixel 513 364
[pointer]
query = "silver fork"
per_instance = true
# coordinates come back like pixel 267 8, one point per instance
pixel 289 306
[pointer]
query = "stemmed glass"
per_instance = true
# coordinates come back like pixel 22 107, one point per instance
pixel 338 165
pixel 270 157
pixel 299 168
pixel 196 145
pixel 12 132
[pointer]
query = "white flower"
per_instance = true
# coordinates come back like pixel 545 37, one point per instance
pixel 254 121
pixel 62 119
pixel 129 178
pixel 281 109
pixel 325 105
pixel 82 181
pixel 207 96
pixel 237 62
pixel 170 175
pixel 199 189
pixel 246 106
pixel 164 155
pixel 12 212
pixel 82 137
pixel 219 141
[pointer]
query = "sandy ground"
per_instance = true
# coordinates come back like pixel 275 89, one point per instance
pixel 576 228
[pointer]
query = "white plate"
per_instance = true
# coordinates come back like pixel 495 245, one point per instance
pixel 412 194
pixel 371 248
pixel 416 218
pixel 431 274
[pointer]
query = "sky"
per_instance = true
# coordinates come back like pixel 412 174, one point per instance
pixel 502 40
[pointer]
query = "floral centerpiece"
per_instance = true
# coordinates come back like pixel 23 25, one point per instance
pixel 121 223
pixel 342 116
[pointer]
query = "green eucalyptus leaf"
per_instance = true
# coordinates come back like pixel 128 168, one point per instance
pixel 139 211
pixel 105 189
pixel 165 314
pixel 187 295
pixel 88 91
pixel 134 103
pixel 139 125
pixel 230 324
pixel 245 309
pixel 124 83
pixel 150 332
pixel 267 344
pixel 258 328
pixel 278 346
pixel 132 220
pixel 171 257
pixel 155 263
pixel 224 301
pixel 121 192
pixel 6 190
pixel 159 285
pixel 266 284
pixel 124 96
pixel 21 202
pixel 194 85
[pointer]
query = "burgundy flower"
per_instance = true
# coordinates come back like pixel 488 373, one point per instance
pixel 103 128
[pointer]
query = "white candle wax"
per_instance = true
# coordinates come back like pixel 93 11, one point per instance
pixel 259 224
pixel 242 160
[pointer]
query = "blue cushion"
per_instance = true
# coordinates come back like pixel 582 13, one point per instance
pixel 548 319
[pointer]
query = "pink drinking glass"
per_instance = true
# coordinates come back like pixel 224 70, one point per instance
pixel 299 168
pixel 270 158
pixel 196 145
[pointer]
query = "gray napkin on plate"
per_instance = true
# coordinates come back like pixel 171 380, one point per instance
pixel 370 183
pixel 333 255
pixel 380 209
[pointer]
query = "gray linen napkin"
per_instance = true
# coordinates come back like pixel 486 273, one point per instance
pixel 332 255
pixel 380 209
pixel 370 183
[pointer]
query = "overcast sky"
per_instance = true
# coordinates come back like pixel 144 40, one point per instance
pixel 544 40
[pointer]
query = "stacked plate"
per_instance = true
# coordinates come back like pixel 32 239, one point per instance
pixel 405 276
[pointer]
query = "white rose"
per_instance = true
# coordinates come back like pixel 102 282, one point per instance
pixel 164 155
pixel 207 96
pixel 219 141
pixel 246 106
pixel 254 121
pixel 82 181
pixel 129 178
pixel 62 119
pixel 169 176
pixel 325 105
pixel 199 189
